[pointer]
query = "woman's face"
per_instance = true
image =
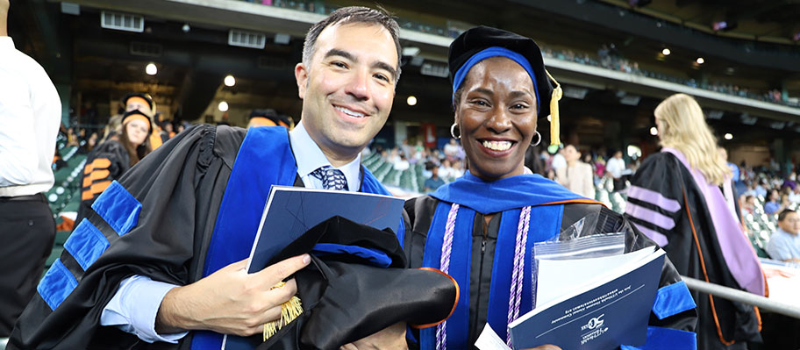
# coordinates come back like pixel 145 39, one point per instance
pixel 137 131
pixel 497 118
pixel 571 154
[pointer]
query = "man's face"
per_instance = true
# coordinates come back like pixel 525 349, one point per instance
pixel 791 223
pixel 348 87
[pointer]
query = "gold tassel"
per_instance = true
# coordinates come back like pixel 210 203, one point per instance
pixel 555 126
pixel 290 310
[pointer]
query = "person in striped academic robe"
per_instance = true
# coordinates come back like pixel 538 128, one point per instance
pixel 481 228
pixel 676 200
pixel 112 158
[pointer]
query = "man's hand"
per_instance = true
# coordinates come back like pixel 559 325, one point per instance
pixel 392 337
pixel 230 301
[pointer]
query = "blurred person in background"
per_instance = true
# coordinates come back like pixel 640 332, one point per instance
pixel 167 131
pixel 615 167
pixel 761 188
pixel 112 159
pixel 773 203
pixel 452 150
pixel 675 199
pixel 434 181
pixel 401 164
pixel 268 117
pixel 576 176
pixel 784 244
pixel 749 204
pixel 559 161
pixel 30 117
pixel 794 195
pixel 137 101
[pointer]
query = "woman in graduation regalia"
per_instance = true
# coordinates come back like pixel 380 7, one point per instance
pixel 114 157
pixel 675 199
pixel 481 227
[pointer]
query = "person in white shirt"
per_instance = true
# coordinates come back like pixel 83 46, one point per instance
pixel 794 195
pixel 615 167
pixel 30 115
pixel 402 163
pixel 559 161
pixel 784 244
pixel 452 150
pixel 576 176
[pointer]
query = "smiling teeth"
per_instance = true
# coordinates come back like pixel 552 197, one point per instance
pixel 497 145
pixel 349 112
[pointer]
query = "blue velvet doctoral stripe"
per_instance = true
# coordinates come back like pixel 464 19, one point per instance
pixel 497 196
pixel 86 244
pixel 369 184
pixel 545 223
pixel 507 196
pixel 370 256
pixel 659 338
pixel 460 261
pixel 56 285
pixel 265 159
pixel 118 208
pixel 672 300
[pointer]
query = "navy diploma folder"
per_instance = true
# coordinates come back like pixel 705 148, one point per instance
pixel 610 312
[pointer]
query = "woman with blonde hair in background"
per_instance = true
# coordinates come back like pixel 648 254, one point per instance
pixel 675 199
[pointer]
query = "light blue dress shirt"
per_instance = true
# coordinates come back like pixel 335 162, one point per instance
pixel 783 246
pixel 134 307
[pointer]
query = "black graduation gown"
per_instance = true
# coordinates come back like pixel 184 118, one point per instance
pixel 180 187
pixel 420 212
pixel 732 321
pixel 178 191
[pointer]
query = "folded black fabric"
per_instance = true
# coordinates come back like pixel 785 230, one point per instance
pixel 347 297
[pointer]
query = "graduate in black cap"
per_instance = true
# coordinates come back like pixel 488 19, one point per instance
pixel 111 159
pixel 145 104
pixel 481 228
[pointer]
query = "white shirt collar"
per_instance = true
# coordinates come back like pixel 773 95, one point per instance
pixel 310 157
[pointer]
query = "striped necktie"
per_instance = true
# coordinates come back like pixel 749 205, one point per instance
pixel 332 179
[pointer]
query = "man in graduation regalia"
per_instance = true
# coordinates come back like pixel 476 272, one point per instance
pixel 159 261
pixel 481 228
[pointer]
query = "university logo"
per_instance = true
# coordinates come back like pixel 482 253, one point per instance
pixel 594 323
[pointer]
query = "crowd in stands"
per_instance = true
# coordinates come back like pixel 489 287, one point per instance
pixel 607 56
pixel 608 59
pixel 416 168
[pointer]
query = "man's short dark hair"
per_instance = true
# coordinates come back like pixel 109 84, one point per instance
pixel 348 15
pixel 782 216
